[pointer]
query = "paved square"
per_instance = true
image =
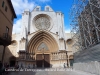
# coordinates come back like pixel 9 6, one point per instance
pixel 43 72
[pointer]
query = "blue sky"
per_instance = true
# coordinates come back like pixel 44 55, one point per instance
pixel 57 5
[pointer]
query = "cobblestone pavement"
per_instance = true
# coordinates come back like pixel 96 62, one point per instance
pixel 50 72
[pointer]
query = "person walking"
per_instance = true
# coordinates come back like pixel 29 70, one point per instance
pixel 64 65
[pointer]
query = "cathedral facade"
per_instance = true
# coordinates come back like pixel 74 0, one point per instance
pixel 43 41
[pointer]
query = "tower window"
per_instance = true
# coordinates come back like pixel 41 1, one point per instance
pixel 37 9
pixel 56 32
pixel 47 9
pixel 26 13
pixel 3 4
pixel 7 29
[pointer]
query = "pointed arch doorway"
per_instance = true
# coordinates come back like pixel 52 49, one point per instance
pixel 43 60
pixel 41 45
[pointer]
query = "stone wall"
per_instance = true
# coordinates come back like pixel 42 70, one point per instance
pixel 90 54
pixel 92 67
pixel 10 51
pixel 88 60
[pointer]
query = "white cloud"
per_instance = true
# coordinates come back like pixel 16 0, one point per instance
pixel 21 5
pixel 17 26
pixel 44 1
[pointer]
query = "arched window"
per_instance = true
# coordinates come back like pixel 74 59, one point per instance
pixel 47 8
pixel 3 4
pixel 43 46
pixel 69 41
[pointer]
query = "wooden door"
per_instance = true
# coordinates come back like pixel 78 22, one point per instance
pixel 46 60
pixel 39 60
pixel 43 59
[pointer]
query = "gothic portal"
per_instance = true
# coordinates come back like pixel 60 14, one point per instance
pixel 42 42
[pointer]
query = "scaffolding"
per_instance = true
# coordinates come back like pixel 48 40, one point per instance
pixel 85 23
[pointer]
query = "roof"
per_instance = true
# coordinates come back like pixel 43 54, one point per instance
pixel 11 6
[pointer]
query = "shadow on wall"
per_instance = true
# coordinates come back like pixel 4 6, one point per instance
pixel 9 58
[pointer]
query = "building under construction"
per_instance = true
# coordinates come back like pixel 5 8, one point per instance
pixel 85 29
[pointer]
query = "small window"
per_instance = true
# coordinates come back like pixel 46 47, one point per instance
pixel 47 9
pixel 26 13
pixel 37 9
pixel 6 33
pixel 3 4
pixel 7 29
pixel 69 41
pixel 6 8
pixel 56 32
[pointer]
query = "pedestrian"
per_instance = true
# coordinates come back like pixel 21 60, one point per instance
pixel 29 66
pixel 64 65
pixel 21 65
